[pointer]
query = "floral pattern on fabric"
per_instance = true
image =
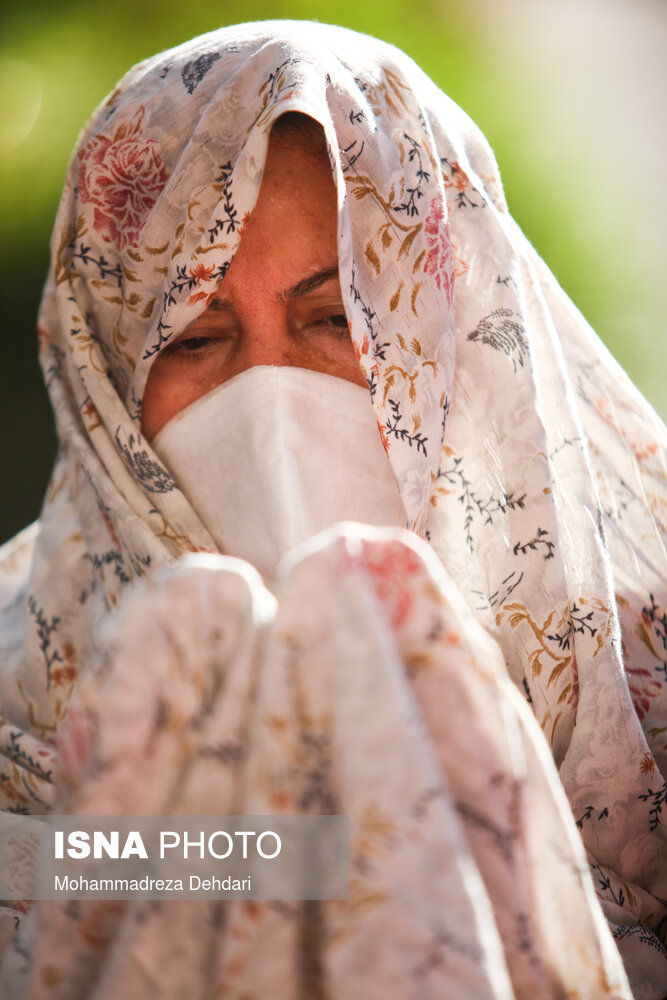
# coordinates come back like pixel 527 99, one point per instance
pixel 208 687
pixel 524 456
pixel 439 257
pixel 121 178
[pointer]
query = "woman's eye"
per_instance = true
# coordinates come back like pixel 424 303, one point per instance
pixel 194 348
pixel 192 343
pixel 337 321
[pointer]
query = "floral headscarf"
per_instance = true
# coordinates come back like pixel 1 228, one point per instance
pixel 523 454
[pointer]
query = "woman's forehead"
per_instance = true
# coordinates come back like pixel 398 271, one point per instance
pixel 290 237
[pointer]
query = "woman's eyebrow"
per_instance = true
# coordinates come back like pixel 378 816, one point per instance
pixel 221 305
pixel 310 283
pixel 302 287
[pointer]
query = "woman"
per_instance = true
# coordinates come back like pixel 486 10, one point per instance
pixel 201 268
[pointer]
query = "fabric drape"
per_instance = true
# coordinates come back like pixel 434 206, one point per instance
pixel 525 458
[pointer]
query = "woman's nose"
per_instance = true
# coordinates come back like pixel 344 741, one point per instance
pixel 270 343
pixel 277 338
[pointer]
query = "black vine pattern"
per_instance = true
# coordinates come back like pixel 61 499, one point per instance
pixel 45 629
pixel 572 442
pixel 230 219
pixel 106 270
pixel 272 80
pixel 501 594
pixel 409 203
pixel 361 84
pixel 194 71
pixel 377 349
pixel 149 474
pixel 541 537
pixel 622 497
pixel 183 281
pixel 273 86
pixel 577 622
pixel 447 405
pixel 458 179
pixel 653 618
pixel 618 895
pixel 645 936
pixel 604 883
pixel 473 504
pixel 658 800
pixel 111 558
pixel 16 753
pixel 134 404
pixel 657 620
pixel 585 379
pixel 503 331
pixel 394 429
pixel 588 815
pixel 352 153
pixel 140 563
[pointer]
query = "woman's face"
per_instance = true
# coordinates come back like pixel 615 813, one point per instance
pixel 280 301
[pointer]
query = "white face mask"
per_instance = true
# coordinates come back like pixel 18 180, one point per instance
pixel 275 455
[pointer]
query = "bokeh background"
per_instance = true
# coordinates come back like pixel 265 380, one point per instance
pixel 570 93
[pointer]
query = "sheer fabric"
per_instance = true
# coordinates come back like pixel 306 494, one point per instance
pixel 524 457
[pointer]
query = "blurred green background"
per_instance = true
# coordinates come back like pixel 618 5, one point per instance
pixel 570 95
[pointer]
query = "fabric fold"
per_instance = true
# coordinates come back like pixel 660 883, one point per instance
pixel 345 696
pixel 523 456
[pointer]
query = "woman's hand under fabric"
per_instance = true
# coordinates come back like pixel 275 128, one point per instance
pixel 365 688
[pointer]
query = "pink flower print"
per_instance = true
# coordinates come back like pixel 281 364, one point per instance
pixel 122 178
pixel 74 744
pixel 439 261
pixel 644 686
pixel 390 566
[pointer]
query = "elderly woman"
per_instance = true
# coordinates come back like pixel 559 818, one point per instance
pixel 286 292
